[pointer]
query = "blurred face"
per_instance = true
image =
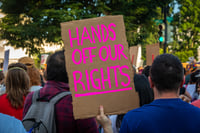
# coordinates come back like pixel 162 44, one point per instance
pixel 140 71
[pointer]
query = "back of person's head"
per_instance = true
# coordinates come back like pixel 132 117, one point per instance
pixel 32 71
pixel 167 73
pixel 146 71
pixel 194 77
pixel 18 65
pixel 17 84
pixel 56 70
pixel 34 76
pixel 142 86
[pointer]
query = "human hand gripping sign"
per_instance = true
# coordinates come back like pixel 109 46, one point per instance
pixel 104 121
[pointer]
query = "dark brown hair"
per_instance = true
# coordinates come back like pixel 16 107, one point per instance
pixel 167 73
pixel 17 84
pixel 1 77
pixel 56 70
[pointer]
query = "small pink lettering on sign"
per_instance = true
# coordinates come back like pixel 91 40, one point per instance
pixel 83 57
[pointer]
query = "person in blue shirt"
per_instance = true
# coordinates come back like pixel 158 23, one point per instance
pixel 9 124
pixel 167 113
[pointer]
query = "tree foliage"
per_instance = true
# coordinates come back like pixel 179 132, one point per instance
pixel 138 18
pixel 32 23
pixel 37 22
pixel 183 55
pixel 187 26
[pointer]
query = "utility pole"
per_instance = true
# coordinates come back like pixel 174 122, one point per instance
pixel 165 22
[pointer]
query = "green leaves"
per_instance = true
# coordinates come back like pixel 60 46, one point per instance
pixel 189 22
pixel 30 23
pixel 13 6
pixel 184 55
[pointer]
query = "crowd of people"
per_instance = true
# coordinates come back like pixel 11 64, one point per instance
pixel 167 102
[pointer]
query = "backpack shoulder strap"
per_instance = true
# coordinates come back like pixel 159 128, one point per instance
pixel 35 96
pixel 59 96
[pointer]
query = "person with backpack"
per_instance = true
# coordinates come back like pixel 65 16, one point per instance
pixel 57 83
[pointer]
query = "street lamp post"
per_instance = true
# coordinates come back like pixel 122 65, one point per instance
pixel 166 8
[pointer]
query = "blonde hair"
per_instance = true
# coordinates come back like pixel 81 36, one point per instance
pixel 17 84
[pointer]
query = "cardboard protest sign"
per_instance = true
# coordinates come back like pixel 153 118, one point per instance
pixel 43 59
pixel 133 54
pixel 98 66
pixel 151 52
pixel 6 60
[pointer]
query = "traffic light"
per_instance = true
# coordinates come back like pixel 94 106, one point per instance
pixel 170 34
pixel 160 33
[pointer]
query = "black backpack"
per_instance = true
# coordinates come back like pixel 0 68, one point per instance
pixel 40 117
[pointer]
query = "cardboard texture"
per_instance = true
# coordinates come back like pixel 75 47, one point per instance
pixel 98 66
pixel 151 52
pixel 133 54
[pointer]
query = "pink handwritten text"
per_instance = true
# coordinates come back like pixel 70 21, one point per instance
pixel 101 33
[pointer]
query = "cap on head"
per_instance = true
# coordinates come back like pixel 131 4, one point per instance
pixel 29 62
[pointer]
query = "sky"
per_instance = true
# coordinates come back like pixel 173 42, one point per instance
pixel 176 8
